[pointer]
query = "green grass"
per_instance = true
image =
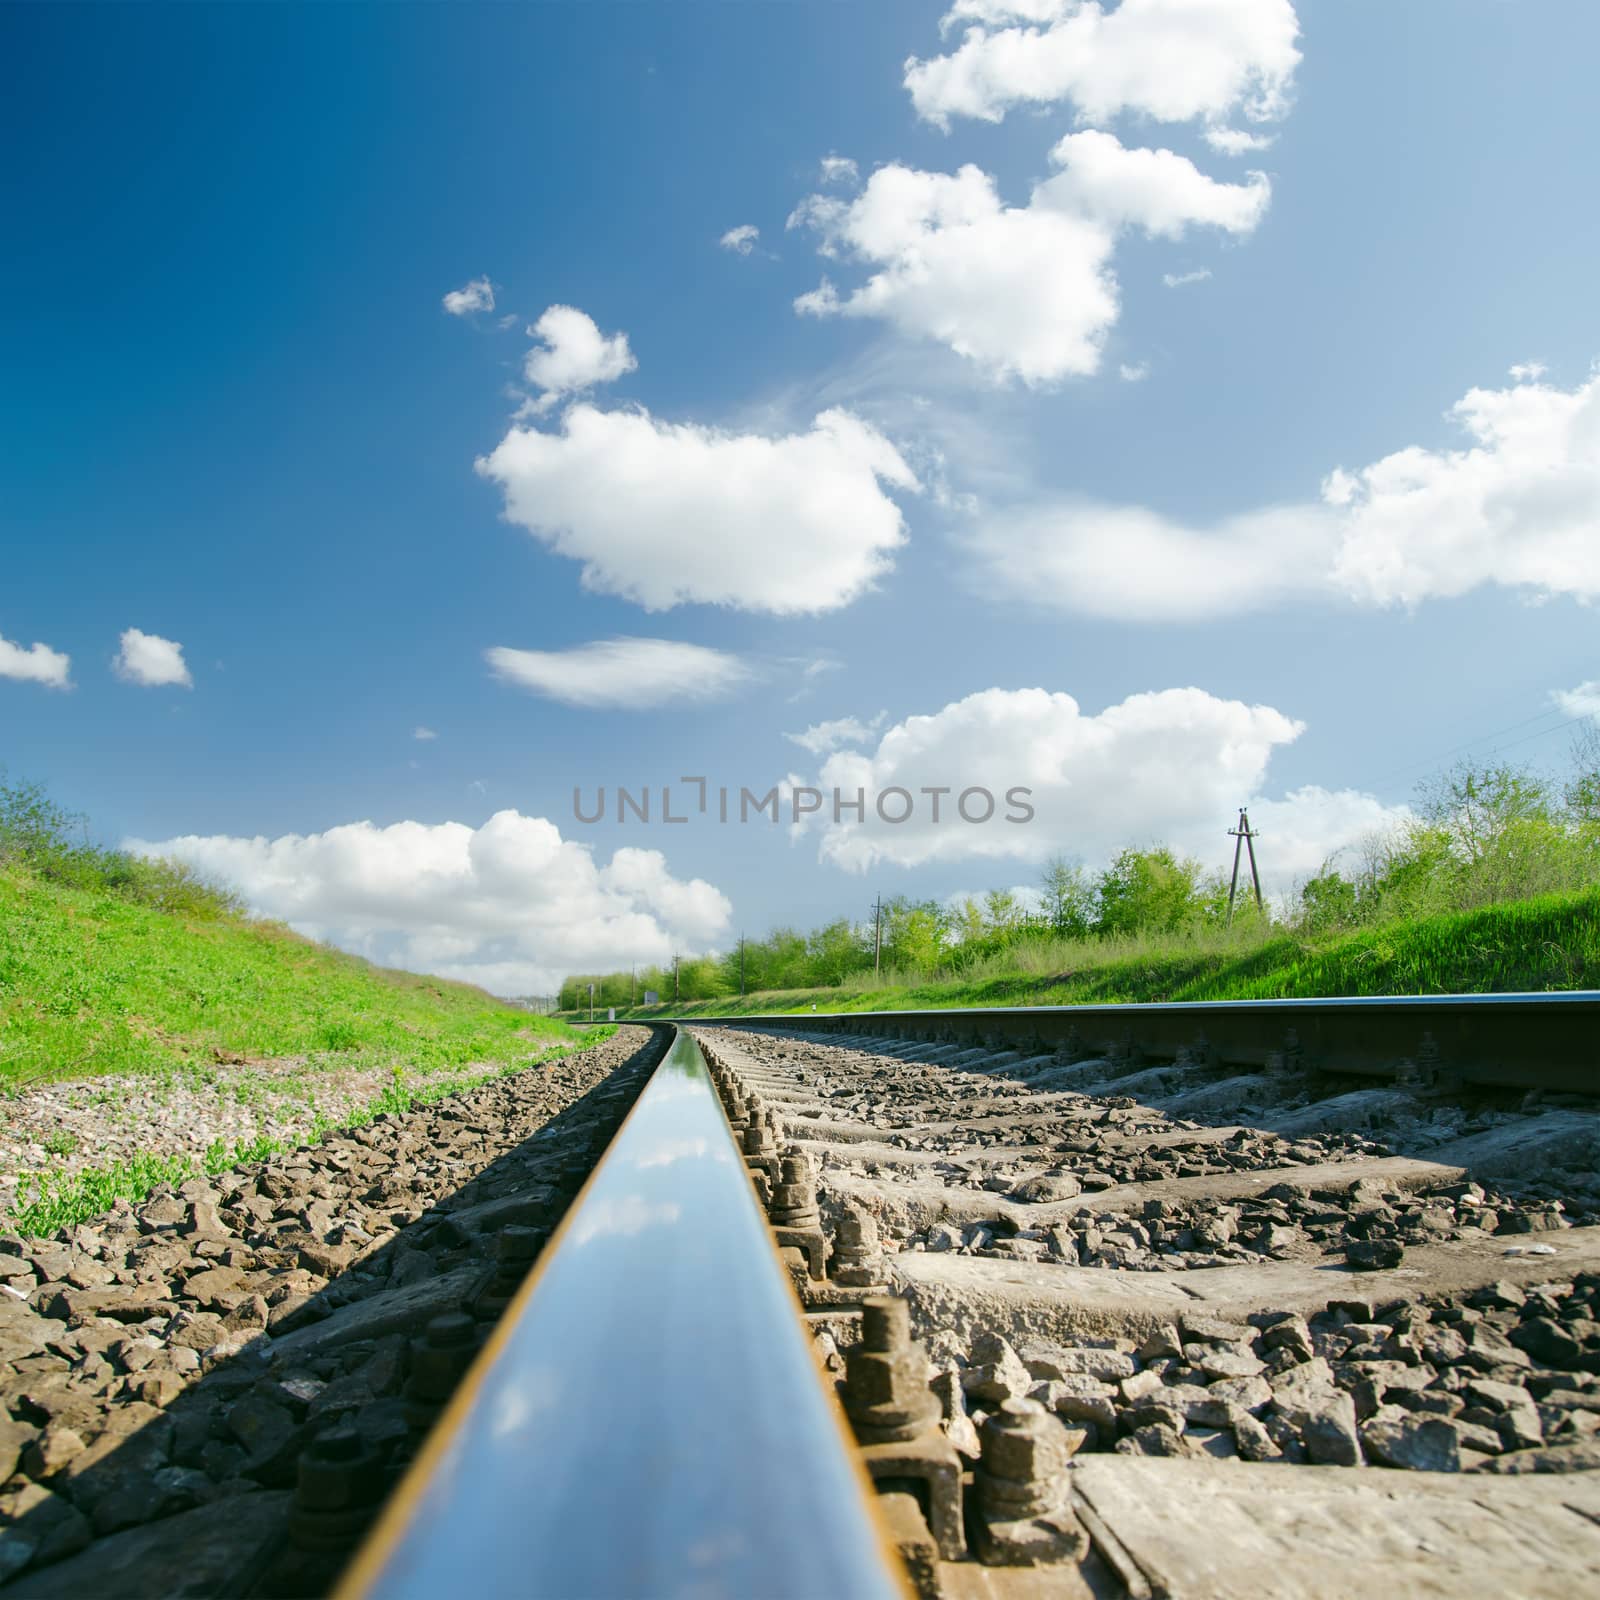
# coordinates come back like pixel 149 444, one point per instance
pixel 93 983
pixel 56 1201
pixel 1552 942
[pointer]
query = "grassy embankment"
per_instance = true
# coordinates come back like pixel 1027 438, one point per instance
pixel 1551 942
pixel 94 984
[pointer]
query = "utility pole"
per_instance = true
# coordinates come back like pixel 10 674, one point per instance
pixel 741 966
pixel 633 986
pixel 674 980
pixel 591 1002
pixel 877 935
pixel 1244 839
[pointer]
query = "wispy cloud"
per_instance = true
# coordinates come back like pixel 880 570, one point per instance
pixel 821 737
pixel 478 295
pixel 1584 701
pixel 1236 141
pixel 623 674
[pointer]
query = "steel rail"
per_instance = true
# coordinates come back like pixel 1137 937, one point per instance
pixel 1528 1041
pixel 647 1419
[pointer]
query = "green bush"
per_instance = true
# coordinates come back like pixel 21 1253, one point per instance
pixel 53 843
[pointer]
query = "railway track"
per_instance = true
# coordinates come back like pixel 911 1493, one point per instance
pixel 1367 1282
pixel 1290 1300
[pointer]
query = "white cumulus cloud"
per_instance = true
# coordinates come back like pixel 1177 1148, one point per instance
pixel 1518 507
pixel 478 295
pixel 667 513
pixel 741 240
pixel 821 737
pixel 1155 190
pixel 510 905
pixel 1024 292
pixel 627 674
pixel 575 355
pixel 1169 766
pixel 1171 60
pixel 151 661
pixel 1021 291
pixel 37 663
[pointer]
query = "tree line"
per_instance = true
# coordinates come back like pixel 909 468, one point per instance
pixel 1480 834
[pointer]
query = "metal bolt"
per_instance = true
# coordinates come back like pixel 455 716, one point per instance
pixel 886 1393
pixel 794 1195
pixel 441 1356
pixel 517 1245
pixel 1024 1454
pixel 450 1329
pixel 885 1323
pixel 338 1471
pixel 857 1258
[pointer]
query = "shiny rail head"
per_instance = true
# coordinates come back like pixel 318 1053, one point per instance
pixel 1541 1041
pixel 648 1419
pixel 1551 1000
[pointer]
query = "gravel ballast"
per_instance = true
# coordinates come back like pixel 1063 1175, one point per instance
pixel 178 1358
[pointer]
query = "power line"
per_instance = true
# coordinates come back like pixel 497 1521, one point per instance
pixel 1569 723
pixel 1444 755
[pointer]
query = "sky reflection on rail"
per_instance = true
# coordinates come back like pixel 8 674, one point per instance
pixel 649 1421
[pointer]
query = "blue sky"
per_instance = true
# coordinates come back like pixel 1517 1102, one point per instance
pixel 243 423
